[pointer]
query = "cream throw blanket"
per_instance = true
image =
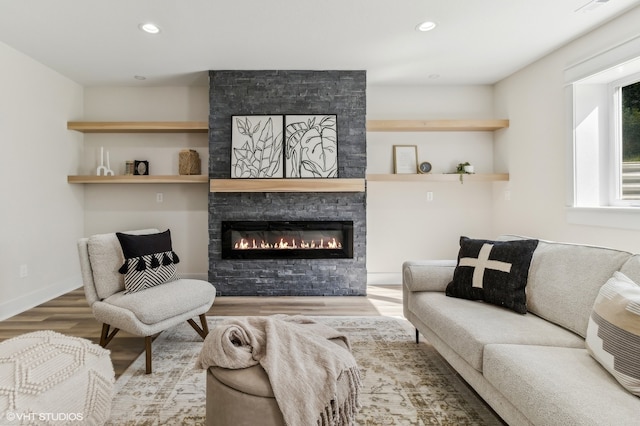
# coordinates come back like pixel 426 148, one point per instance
pixel 303 366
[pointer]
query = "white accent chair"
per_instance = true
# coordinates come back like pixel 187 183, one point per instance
pixel 143 313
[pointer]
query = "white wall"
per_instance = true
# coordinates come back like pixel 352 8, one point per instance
pixel 401 224
pixel 111 208
pixel 41 216
pixel 534 147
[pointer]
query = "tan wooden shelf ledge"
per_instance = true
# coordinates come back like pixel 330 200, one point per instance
pixel 438 177
pixel 139 126
pixel 287 185
pixel 129 179
pixel 435 125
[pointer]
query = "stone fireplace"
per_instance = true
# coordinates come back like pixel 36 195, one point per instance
pixel 288 270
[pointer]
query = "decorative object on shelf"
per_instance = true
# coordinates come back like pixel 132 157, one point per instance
pixel 141 168
pixel 256 146
pixel 424 167
pixel 464 168
pixel 405 159
pixel 102 168
pixel 128 167
pixel 188 162
pixel 311 146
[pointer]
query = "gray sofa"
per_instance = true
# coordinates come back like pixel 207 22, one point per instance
pixel 532 368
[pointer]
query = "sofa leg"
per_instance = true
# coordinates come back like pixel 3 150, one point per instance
pixel 417 336
pixel 147 349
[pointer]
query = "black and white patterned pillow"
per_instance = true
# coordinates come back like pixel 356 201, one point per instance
pixel 149 260
pixel 493 271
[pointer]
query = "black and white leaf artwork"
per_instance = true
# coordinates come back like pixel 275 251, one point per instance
pixel 311 146
pixel 256 146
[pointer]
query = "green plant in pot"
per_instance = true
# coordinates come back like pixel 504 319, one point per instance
pixel 464 168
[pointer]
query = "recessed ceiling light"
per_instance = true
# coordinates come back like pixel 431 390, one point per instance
pixel 426 26
pixel 149 28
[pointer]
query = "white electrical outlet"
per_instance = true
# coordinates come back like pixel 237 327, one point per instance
pixel 507 195
pixel 429 196
pixel 159 197
pixel 24 271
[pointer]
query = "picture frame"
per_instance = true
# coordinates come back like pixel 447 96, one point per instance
pixel 256 146
pixel 405 159
pixel 311 146
pixel 141 168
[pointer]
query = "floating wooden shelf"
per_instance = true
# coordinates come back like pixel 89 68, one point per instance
pixel 139 126
pixel 139 179
pixel 287 185
pixel 435 125
pixel 438 177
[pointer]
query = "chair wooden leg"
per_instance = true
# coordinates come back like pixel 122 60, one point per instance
pixel 105 337
pixel 147 349
pixel 202 331
pixel 417 336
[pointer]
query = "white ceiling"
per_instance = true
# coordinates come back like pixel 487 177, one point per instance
pixel 97 42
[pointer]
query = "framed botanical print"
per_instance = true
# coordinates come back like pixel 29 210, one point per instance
pixel 256 146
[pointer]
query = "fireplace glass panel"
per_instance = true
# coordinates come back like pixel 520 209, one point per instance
pixel 287 239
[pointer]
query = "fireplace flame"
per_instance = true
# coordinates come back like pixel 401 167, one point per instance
pixel 283 244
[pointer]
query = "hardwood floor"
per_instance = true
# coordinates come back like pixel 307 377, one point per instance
pixel 69 314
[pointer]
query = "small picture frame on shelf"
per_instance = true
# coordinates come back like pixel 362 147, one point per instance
pixel 140 168
pixel 405 159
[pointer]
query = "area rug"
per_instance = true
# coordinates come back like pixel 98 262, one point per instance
pixel 404 383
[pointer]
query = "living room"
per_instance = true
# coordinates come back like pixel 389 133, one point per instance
pixel 44 216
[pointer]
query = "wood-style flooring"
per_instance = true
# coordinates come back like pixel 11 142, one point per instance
pixel 69 314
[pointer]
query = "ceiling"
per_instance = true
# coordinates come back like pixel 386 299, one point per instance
pixel 98 42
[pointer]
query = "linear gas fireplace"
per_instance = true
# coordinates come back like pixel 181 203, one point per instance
pixel 287 239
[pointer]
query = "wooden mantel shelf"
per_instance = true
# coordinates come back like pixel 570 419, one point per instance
pixel 139 179
pixel 287 185
pixel 435 125
pixel 139 126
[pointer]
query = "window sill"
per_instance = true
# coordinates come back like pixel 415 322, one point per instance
pixel 610 217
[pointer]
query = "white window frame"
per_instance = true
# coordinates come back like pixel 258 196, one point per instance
pixel 598 210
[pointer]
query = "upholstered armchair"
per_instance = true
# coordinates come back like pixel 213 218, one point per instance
pixel 148 311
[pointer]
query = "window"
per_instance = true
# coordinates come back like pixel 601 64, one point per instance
pixel 604 138
pixel 627 140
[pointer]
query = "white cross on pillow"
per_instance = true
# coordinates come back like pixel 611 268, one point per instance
pixel 482 263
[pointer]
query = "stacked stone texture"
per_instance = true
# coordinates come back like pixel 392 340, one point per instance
pixel 342 93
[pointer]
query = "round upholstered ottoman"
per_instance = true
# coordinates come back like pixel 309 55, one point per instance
pixel 49 378
pixel 244 397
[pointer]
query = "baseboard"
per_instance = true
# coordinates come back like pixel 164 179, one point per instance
pixel 27 301
pixel 386 278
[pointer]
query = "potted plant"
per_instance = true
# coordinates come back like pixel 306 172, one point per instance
pixel 464 168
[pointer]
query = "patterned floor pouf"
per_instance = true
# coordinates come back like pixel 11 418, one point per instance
pixel 49 378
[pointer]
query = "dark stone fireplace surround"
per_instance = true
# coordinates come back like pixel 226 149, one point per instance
pixel 289 92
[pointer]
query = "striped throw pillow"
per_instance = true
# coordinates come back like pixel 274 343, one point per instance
pixel 613 333
pixel 149 260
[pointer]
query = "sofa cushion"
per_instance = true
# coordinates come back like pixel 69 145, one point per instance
pixel 105 254
pixel 149 260
pixel 493 271
pixel 613 334
pixel 467 326
pixel 160 303
pixel 559 386
pixel 564 280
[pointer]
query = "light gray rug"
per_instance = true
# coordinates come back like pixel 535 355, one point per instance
pixel 404 383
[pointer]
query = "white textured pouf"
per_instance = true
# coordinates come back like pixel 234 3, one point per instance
pixel 49 378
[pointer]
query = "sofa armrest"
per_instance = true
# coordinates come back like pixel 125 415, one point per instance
pixel 427 275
